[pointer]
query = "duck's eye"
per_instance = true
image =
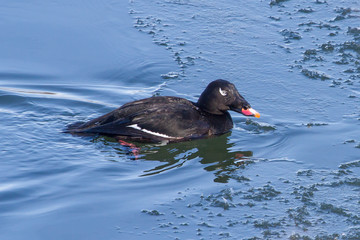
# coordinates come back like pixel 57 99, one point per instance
pixel 222 92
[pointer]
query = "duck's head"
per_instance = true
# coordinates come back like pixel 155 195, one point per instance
pixel 221 96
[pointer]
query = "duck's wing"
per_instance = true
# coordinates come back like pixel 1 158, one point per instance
pixel 165 120
pixel 171 122
pixel 118 115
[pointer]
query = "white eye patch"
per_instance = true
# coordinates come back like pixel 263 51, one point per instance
pixel 222 92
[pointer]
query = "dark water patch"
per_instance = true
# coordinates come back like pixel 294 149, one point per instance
pixel 308 206
pixel 306 10
pixel 256 126
pixel 267 224
pixel 290 35
pixel 309 54
pixel 353 164
pixel 222 200
pixel 323 59
pixel 316 124
pixel 307 173
pixel 351 45
pixel 333 209
pixel 305 193
pixel 346 13
pixel 354 31
pixel 327 47
pixel 152 212
pixel 320 1
pixel 275 18
pixel 300 217
pixel 276 2
pixel 349 181
pixel 315 74
pixel 266 192
pixel 320 25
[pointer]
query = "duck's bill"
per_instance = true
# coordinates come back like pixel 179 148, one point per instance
pixel 250 112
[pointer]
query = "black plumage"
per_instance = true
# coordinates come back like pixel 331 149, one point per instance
pixel 171 119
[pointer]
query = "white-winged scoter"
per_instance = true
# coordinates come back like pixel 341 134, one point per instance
pixel 171 119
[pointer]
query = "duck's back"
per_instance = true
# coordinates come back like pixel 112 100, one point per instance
pixel 157 119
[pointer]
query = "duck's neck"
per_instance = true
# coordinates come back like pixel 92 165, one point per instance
pixel 208 105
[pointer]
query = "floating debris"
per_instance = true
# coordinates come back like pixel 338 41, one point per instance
pixel 315 74
pixel 354 31
pixel 152 212
pixel 170 75
pixel 306 10
pixel 290 35
pixel 328 47
pixel 275 18
pixel 316 124
pixel 276 2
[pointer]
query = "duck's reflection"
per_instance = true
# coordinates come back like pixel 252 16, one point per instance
pixel 216 153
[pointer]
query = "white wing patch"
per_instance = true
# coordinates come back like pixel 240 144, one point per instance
pixel 222 92
pixel 135 126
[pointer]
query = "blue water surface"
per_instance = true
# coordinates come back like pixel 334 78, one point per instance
pixel 292 174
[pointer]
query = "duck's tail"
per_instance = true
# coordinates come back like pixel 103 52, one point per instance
pixel 74 127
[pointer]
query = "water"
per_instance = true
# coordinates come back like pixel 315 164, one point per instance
pixel 292 174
